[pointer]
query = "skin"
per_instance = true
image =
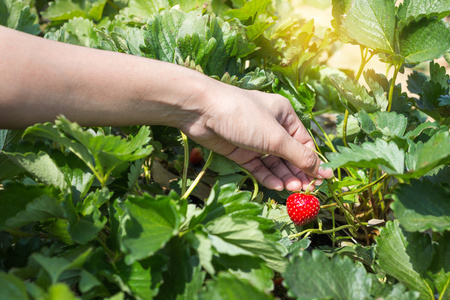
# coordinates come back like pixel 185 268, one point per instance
pixel 41 79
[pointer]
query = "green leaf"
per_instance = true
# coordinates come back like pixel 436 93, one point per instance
pixel 411 10
pixel 306 278
pixel 101 153
pixel 16 14
pixel 12 287
pixel 421 128
pixel 431 92
pixel 138 278
pixel 50 131
pixel 370 23
pixel 415 82
pixel 298 104
pixel 423 157
pixel 256 80
pixel 250 10
pixel 439 74
pixel 405 257
pixel 174 36
pixel 378 85
pixel 356 94
pixel 229 287
pixel 352 127
pixel 440 266
pixel 236 236
pixel 258 28
pixel 135 173
pixel 422 205
pixel 6 136
pixel 260 278
pixel 143 9
pixel 77 31
pixel 128 40
pixel 380 154
pixel 383 124
pixel 108 151
pixel 61 10
pixel 424 40
pixel 60 291
pixel 148 224
pixel 86 228
pixel 395 292
pixel 28 203
pixel 39 209
pixel 227 201
pixel 194 285
pixel 182 271
pixel 444 100
pixel 280 218
pixel 41 166
pixel 87 281
pixel 55 266
pixel 200 242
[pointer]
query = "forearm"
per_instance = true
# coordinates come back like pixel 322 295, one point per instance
pixel 41 79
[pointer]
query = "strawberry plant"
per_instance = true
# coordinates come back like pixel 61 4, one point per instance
pixel 126 213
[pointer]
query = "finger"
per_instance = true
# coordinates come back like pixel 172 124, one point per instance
pixel 304 179
pixel 263 174
pixel 299 155
pixel 306 182
pixel 279 169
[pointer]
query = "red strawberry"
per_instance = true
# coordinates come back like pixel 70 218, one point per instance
pixel 196 156
pixel 302 208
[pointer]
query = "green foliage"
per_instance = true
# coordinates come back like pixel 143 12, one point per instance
pixel 85 214
pixel 357 96
pixel 61 10
pixel 414 260
pixel 16 14
pixel 211 43
pixel 422 205
pixel 339 281
pixel 381 154
pixel 418 37
pixel 433 91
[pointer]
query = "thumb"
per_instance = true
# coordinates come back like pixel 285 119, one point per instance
pixel 303 157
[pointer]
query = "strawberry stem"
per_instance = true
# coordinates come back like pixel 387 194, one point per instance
pixel 320 231
pixel 199 176
pixel 185 164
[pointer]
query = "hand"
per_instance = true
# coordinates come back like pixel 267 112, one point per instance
pixel 245 125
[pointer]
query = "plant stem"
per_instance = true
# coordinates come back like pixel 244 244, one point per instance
pixel 255 183
pixel 328 205
pixel 344 129
pixel 364 61
pixel 113 5
pixel 349 214
pixel 328 140
pixel 334 226
pixel 185 163
pixel 199 176
pixel 391 89
pixel 18 233
pixel 319 231
pixel 364 187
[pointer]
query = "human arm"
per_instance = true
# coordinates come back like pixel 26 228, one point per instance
pixel 42 79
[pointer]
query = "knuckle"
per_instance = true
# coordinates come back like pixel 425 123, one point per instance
pixel 257 169
pixel 309 159
pixel 274 164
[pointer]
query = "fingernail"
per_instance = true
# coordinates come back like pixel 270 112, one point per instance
pixel 325 172
pixel 278 188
